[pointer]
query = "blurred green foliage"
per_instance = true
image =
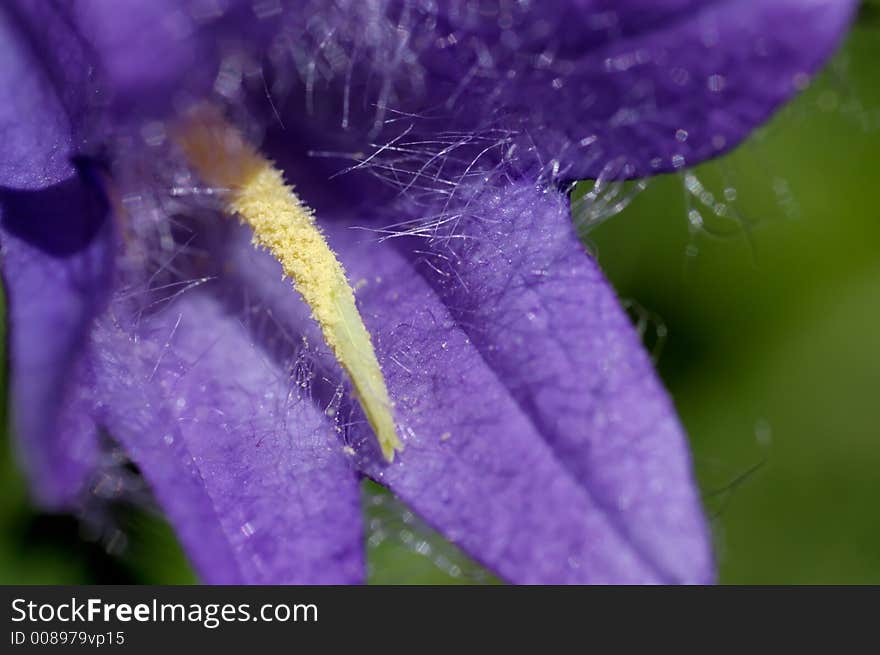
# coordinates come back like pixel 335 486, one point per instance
pixel 771 352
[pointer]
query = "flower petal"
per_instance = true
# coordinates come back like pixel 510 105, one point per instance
pixel 576 89
pixel 57 257
pixel 540 313
pixel 252 477
pixel 37 135
pixel 481 464
pixel 144 49
pixel 57 249
pixel 477 464
pixel 681 84
pixel 142 57
pixel 581 88
pixel 473 466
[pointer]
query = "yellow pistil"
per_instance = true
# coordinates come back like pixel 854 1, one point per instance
pixel 286 227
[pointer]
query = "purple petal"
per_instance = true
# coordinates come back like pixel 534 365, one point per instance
pixel 57 260
pixel 57 249
pixel 478 463
pixel 139 58
pixel 540 313
pixel 144 49
pixel 531 344
pixel 634 87
pixel 474 465
pixel 36 130
pixel 619 88
pixel 488 459
pixel 581 88
pixel 680 90
pixel 252 477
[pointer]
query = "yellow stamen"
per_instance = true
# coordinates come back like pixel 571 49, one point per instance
pixel 286 227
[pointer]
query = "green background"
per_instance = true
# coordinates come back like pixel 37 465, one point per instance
pixel 767 326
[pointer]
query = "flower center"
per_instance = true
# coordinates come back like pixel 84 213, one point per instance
pixel 286 228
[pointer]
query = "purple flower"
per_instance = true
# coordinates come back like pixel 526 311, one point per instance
pixel 436 143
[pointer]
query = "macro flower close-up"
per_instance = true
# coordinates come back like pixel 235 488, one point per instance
pixel 256 252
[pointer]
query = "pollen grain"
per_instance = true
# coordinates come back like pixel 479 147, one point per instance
pixel 286 227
